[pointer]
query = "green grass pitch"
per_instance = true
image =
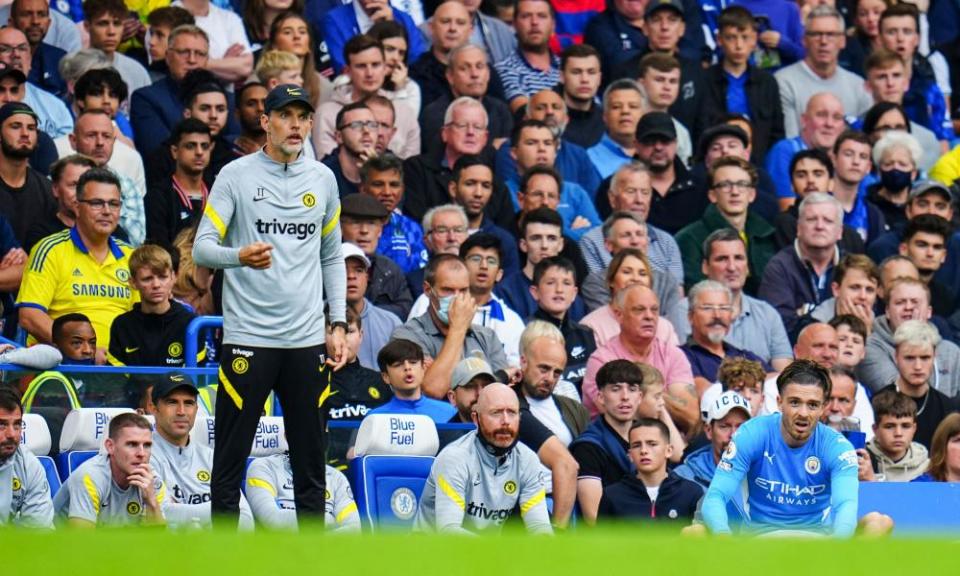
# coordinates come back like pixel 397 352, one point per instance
pixel 625 551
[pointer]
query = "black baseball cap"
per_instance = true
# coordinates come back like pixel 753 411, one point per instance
pixel 172 381
pixel 7 71
pixel 11 108
pixel 656 124
pixel 284 95
pixel 654 5
pixel 714 132
pixel 360 205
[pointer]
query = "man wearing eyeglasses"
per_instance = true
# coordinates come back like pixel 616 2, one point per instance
pixel 356 137
pixel 823 39
pixel 732 191
pixel 52 114
pixel 711 314
pixel 82 269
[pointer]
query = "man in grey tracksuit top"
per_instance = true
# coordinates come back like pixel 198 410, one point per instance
pixel 270 490
pixel 24 491
pixel 272 221
pixel 477 480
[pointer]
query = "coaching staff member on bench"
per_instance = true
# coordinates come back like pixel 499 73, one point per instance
pixel 272 221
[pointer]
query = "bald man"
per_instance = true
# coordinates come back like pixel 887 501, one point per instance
pixel 478 481
pixel 450 27
pixel 817 342
pixel 821 123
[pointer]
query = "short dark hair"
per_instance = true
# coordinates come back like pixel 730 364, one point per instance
pixel 95 8
pixel 553 262
pixel 736 17
pixel 846 371
pixel 541 215
pixel 468 161
pixel 873 115
pixel 658 61
pixel 804 372
pixel 171 17
pixel 483 240
pixel 928 224
pixel 358 44
pixel 361 105
pixel 577 51
pixel 98 174
pixel 188 126
pixel 398 350
pixel 651 423
pixel 385 162
pixel 10 400
pixel 720 235
pixel 893 403
pixel 434 264
pixel 856 325
pixel 57 168
pixel 56 331
pixel 387 29
pixel 616 371
pixel 95 81
pixel 894 11
pixel 541 171
pixel 527 123
pixel 127 420
pixel 850 134
pixel 199 81
pixel 815 154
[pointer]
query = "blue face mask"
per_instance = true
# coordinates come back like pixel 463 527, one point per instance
pixel 443 309
pixel 895 180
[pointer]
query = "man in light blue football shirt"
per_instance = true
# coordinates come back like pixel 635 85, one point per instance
pixel 801 474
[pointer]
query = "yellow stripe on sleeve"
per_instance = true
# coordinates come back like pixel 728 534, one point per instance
pixel 215 219
pixel 324 395
pixel 450 492
pixel 162 494
pixel 230 390
pixel 329 226
pixel 537 498
pixel 346 512
pixel 92 492
pixel 258 483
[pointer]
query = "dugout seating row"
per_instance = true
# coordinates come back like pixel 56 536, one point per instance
pixel 394 455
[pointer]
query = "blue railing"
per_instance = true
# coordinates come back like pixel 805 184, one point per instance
pixel 192 336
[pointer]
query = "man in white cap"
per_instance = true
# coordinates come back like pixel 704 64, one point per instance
pixel 470 375
pixel 376 323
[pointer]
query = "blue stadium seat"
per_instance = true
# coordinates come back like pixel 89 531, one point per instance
pixel 917 508
pixel 67 462
pixel 388 488
pixel 394 456
pixel 53 479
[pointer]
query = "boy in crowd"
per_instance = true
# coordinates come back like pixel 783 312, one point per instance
pixel 653 492
pixel 152 334
pixel 892 455
pixel 401 366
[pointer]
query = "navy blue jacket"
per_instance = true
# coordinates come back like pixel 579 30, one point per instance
pixel 340 25
pixel 157 108
pixel 44 69
pixel 628 500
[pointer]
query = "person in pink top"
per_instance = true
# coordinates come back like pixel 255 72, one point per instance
pixel 629 266
pixel 638 312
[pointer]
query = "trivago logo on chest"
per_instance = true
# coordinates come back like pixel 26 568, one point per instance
pixel 301 230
